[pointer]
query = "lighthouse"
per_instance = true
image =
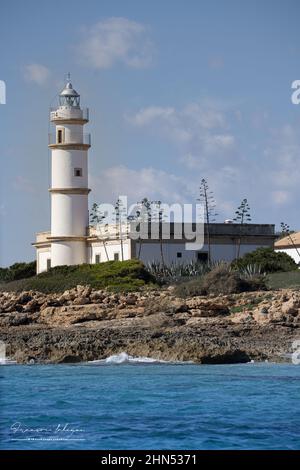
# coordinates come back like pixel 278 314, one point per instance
pixel 69 190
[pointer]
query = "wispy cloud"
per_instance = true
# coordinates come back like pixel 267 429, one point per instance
pixel 282 155
pixel 136 184
pixel 216 63
pixel 36 73
pixel 209 144
pixel 116 40
pixel 196 128
pixel 23 184
pixel 3 211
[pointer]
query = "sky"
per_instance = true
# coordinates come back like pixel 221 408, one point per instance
pixel 178 90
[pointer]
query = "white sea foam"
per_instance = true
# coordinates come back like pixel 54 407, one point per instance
pixel 7 362
pixel 124 358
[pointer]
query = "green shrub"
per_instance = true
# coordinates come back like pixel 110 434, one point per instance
pixel 190 288
pixel 270 261
pixel 220 280
pixel 18 271
pixel 114 275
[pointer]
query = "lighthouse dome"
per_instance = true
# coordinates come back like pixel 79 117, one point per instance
pixel 69 97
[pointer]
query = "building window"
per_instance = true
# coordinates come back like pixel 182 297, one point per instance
pixel 97 259
pixel 116 256
pixel 179 254
pixel 48 264
pixel 77 171
pixel 202 256
pixel 59 136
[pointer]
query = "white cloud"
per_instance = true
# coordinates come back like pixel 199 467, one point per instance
pixel 283 154
pixel 36 73
pixel 3 211
pixel 146 116
pixel 210 142
pixel 206 116
pixel 136 184
pixel 196 127
pixel 116 40
pixel 216 63
pixel 280 197
pixel 206 146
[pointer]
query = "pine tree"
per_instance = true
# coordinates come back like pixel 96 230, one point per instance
pixel 287 232
pixel 242 217
pixel 142 216
pixel 121 215
pixel 96 219
pixel 206 198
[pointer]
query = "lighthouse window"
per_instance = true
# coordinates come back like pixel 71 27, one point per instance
pixel 97 259
pixel 77 171
pixel 59 136
pixel 116 256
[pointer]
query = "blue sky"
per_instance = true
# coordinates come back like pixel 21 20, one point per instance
pixel 177 91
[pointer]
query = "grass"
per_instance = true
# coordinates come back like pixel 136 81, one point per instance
pixel 114 275
pixel 241 308
pixel 290 279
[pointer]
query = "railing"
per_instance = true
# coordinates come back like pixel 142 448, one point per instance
pixel 63 114
pixel 81 139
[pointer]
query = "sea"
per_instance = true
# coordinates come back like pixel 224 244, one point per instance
pixel 126 403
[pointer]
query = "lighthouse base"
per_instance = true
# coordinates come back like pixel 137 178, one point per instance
pixel 68 253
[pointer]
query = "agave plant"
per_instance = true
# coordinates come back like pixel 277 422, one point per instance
pixel 252 270
pixel 173 272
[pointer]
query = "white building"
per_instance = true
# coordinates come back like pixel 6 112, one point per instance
pixel 290 245
pixel 72 241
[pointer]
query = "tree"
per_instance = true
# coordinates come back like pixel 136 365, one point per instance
pixel 96 219
pixel 242 214
pixel 267 259
pixel 287 232
pixel 242 217
pixel 160 217
pixel 121 215
pixel 206 198
pixel 143 215
pixel 18 271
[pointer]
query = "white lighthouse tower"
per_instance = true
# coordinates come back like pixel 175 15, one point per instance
pixel 69 180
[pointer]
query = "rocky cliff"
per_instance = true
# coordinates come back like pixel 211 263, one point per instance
pixel 84 324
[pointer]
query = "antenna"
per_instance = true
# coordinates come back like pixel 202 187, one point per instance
pixel 68 77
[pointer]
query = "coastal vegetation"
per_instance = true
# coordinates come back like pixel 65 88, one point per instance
pixel 17 271
pixel 270 261
pixel 260 270
pixel 115 275
pixel 223 280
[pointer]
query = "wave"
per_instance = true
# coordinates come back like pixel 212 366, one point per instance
pixel 124 358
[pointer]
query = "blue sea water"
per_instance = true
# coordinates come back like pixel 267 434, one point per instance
pixel 150 406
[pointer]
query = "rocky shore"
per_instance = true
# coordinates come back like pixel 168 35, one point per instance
pixel 84 324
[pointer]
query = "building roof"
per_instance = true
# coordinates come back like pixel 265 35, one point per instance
pixel 289 242
pixel 68 90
